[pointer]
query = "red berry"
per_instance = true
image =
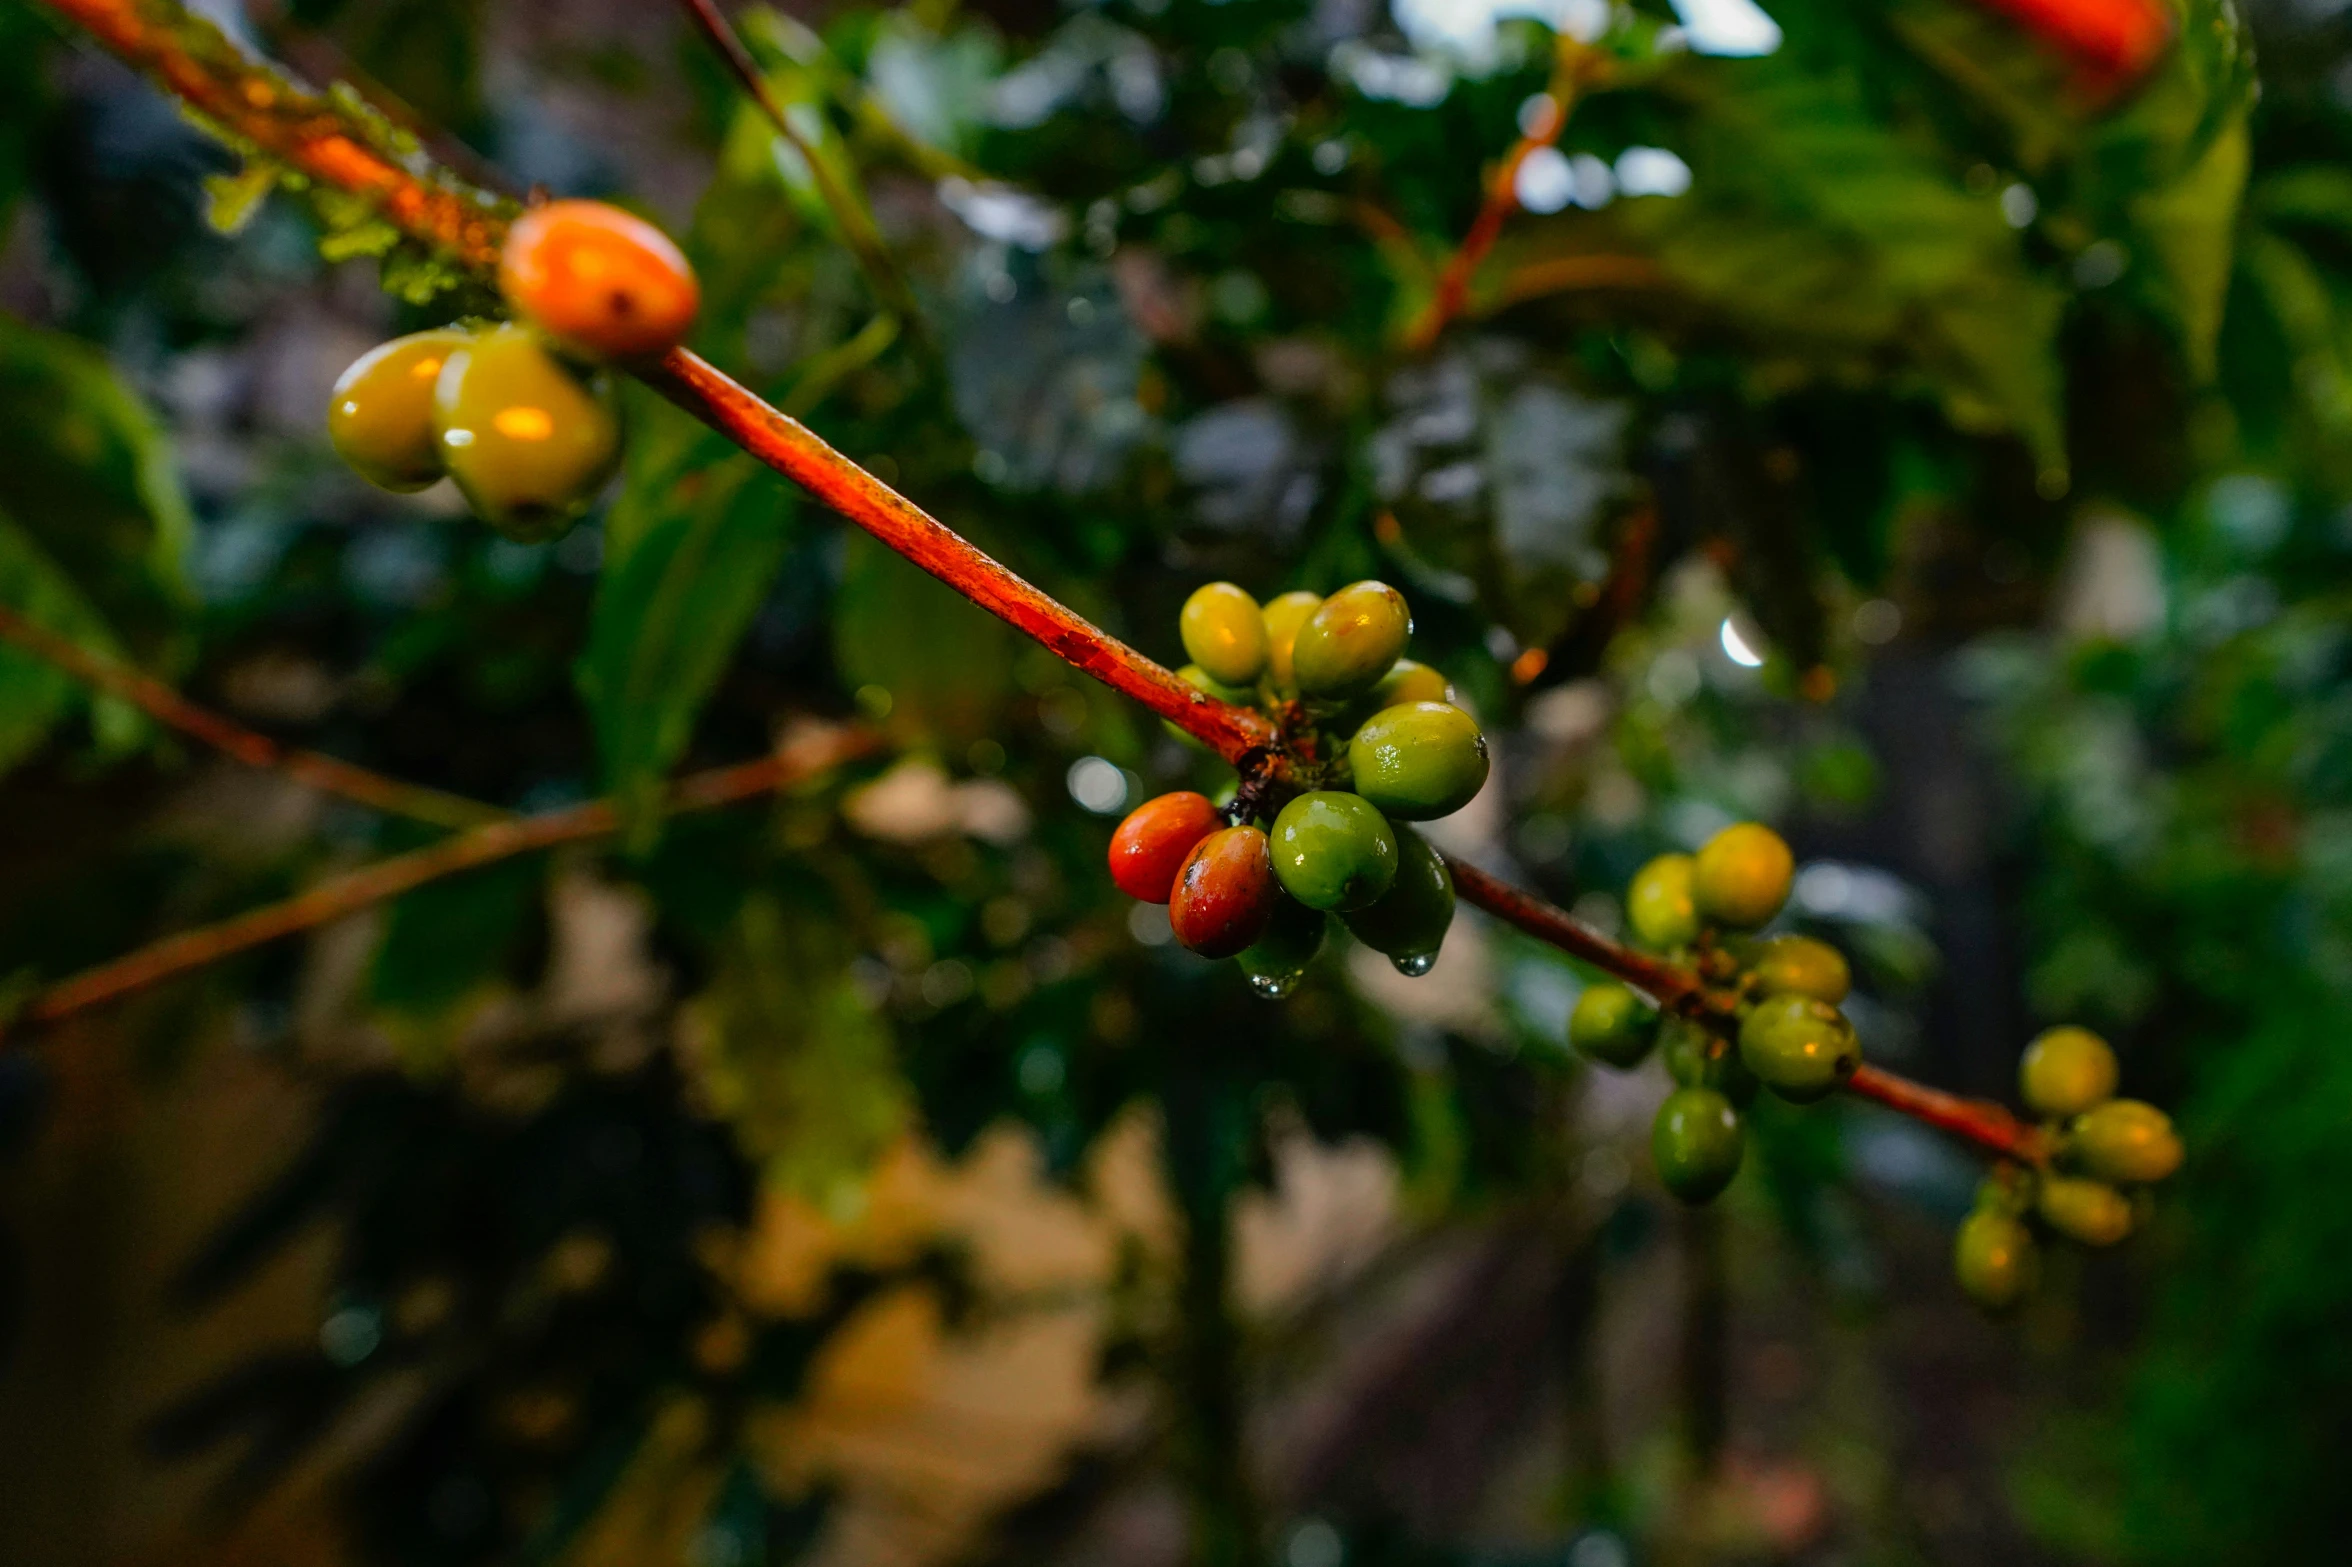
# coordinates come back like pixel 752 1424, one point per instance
pixel 599 281
pixel 1225 894
pixel 1150 845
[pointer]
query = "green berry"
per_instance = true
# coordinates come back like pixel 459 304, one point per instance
pixel 1349 643
pixel 1697 1058
pixel 1613 1025
pixel 1332 850
pixel 1410 920
pixel 527 439
pixel 1801 966
pixel 2126 1141
pixel 1697 1141
pixel 1285 615
pixel 2066 1071
pixel 1742 876
pixel 2091 1211
pixel 380 417
pixel 1419 761
pixel 1407 681
pixel 1799 1047
pixel 1994 1258
pixel 1278 960
pixel 1224 633
pixel 1660 903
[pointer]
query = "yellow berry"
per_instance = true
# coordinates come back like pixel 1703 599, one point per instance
pixel 1742 876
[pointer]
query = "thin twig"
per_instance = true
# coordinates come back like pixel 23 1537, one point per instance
pixel 320 139
pixel 166 706
pixel 347 894
pixel 856 223
pixel 1980 1121
pixel 1577 68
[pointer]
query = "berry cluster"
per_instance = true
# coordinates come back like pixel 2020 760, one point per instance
pixel 2105 1153
pixel 1766 1016
pixel 522 415
pixel 1380 742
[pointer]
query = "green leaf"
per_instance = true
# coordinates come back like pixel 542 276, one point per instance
pixel 945 663
pixel 35 695
pixel 2188 228
pixel 689 554
pixel 87 472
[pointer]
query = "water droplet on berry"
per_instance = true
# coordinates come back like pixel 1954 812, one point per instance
pixel 1415 966
pixel 1273 987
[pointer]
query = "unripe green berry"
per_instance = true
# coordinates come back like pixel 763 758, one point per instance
pixel 1995 1259
pixel 1801 966
pixel 2090 1211
pixel 1333 851
pixel 1419 761
pixel 1286 614
pixel 2125 1141
pixel 2065 1071
pixel 1224 634
pixel 1696 1057
pixel 528 440
pixel 1408 681
pixel 1697 1142
pixel 1801 1048
pixel 1409 922
pixel 380 417
pixel 1742 876
pixel 1660 904
pixel 1613 1025
pixel 1350 642
pixel 1278 960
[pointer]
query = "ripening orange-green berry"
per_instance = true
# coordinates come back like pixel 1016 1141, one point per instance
pixel 2066 1071
pixel 1659 904
pixel 1285 614
pixel 1742 876
pixel 2090 1211
pixel 1353 639
pixel 528 440
pixel 2126 1140
pixel 1994 1257
pixel 598 281
pixel 380 417
pixel 1224 633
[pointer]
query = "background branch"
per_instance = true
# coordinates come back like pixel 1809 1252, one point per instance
pixel 815 752
pixel 166 706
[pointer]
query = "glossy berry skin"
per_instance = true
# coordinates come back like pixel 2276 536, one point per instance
pixel 2125 1141
pixel 1408 681
pixel 1995 1259
pixel 1419 761
pixel 1660 904
pixel 1801 966
pixel 1696 1058
pixel 1334 851
pixel 1277 961
pixel 1225 893
pixel 1612 1025
pixel 1198 678
pixel 1154 841
pixel 528 440
pixel 1224 634
pixel 1409 922
pixel 1697 1142
pixel 380 417
pixel 1742 876
pixel 2090 1211
pixel 1348 644
pixel 1284 615
pixel 605 285
pixel 2066 1071
pixel 1799 1047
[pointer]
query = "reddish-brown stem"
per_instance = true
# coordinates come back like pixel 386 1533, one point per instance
pixel 1577 66
pixel 798 761
pixel 1988 1125
pixel 166 706
pixel 312 135
pixel 1980 1121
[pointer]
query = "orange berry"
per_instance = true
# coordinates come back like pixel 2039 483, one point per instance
pixel 1152 844
pixel 599 281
